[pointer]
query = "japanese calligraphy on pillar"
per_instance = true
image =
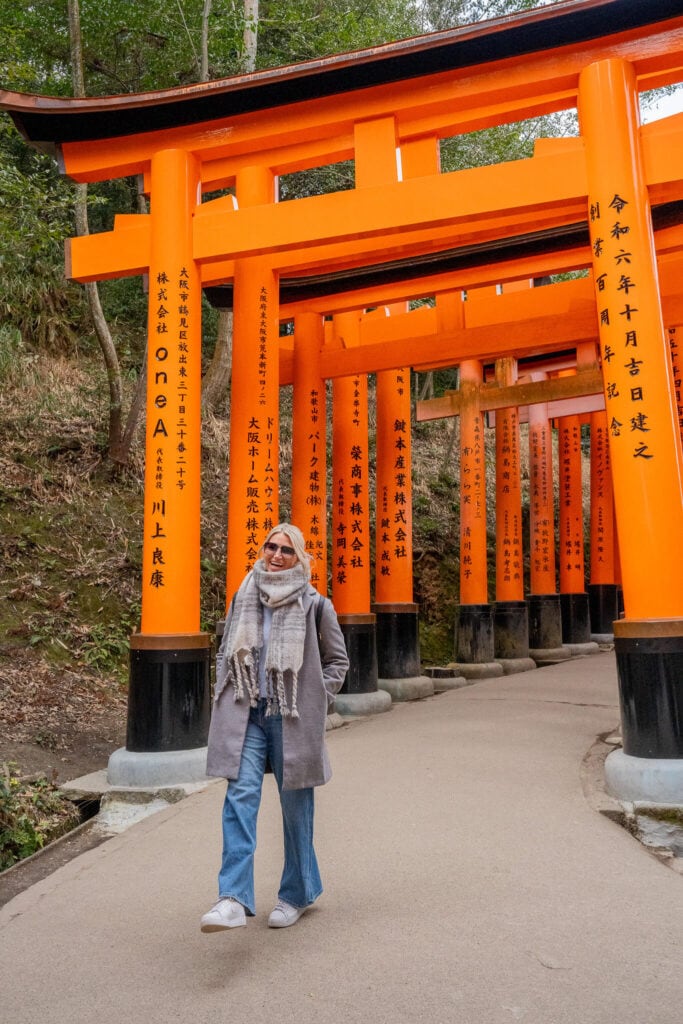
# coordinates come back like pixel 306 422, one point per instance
pixel 254 420
pixel 509 497
pixel 260 484
pixel 542 532
pixel 393 522
pixel 263 346
pixel 602 503
pixel 571 509
pixel 677 364
pixel 351 542
pixel 171 387
pixel 314 529
pixel 624 361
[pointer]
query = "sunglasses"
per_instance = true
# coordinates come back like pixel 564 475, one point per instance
pixel 274 548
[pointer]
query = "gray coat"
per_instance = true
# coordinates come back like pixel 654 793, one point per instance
pixel 303 739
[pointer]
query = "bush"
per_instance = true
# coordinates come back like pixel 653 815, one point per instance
pixel 32 813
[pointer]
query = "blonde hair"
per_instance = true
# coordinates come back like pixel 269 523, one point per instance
pixel 298 543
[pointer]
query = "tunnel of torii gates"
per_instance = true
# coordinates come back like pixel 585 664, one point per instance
pixel 600 349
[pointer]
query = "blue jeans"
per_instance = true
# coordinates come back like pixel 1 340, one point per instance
pixel 300 883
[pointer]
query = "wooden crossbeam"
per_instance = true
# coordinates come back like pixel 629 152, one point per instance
pixel 491 397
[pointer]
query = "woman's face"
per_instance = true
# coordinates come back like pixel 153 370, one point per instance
pixel 278 553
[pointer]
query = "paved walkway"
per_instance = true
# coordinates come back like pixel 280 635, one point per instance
pixel 468 881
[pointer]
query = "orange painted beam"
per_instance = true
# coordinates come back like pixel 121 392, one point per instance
pixel 542 184
pixel 572 323
pixel 124 251
pixel 448 103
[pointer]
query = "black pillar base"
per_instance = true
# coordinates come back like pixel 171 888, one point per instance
pixel 169 697
pixel 650 669
pixel 398 641
pixel 474 634
pixel 545 621
pixel 511 629
pixel 603 605
pixel 360 636
pixel 576 626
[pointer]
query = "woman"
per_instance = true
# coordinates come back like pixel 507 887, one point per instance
pixel 281 661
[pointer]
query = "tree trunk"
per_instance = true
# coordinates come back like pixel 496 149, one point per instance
pixel 204 57
pixel 217 378
pixel 250 37
pixel 100 324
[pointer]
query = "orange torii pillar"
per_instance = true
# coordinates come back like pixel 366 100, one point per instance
pixel 545 618
pixel 576 631
pixel 474 652
pixel 254 403
pixel 309 444
pixel 645 439
pixel 351 551
pixel 602 589
pixel 510 611
pixel 677 366
pixel 398 642
pixel 169 698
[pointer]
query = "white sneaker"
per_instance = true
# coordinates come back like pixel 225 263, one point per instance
pixel 227 913
pixel 283 914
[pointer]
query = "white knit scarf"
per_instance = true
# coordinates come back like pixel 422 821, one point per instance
pixel 282 591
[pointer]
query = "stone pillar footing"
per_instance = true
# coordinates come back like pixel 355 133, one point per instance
pixel 511 666
pixel 479 670
pixel 650 779
pixel 581 650
pixel 446 678
pixel 549 655
pixel 355 705
pixel 413 688
pixel 165 768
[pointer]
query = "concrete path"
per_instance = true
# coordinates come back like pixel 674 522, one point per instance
pixel 468 881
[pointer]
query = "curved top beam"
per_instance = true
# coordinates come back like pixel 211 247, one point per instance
pixel 45 121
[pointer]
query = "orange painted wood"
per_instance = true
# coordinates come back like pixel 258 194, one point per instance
pixel 309 445
pixel 350 485
pixel 443 104
pixel 394 503
pixel 509 539
pixel 570 553
pixel 473 547
pixel 675 334
pixel 170 549
pixel 541 503
pixel 602 541
pixel 645 440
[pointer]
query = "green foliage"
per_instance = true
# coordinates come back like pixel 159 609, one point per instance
pixel 35 217
pixel 32 813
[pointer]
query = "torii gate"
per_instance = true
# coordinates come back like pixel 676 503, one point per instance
pixel 387 108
